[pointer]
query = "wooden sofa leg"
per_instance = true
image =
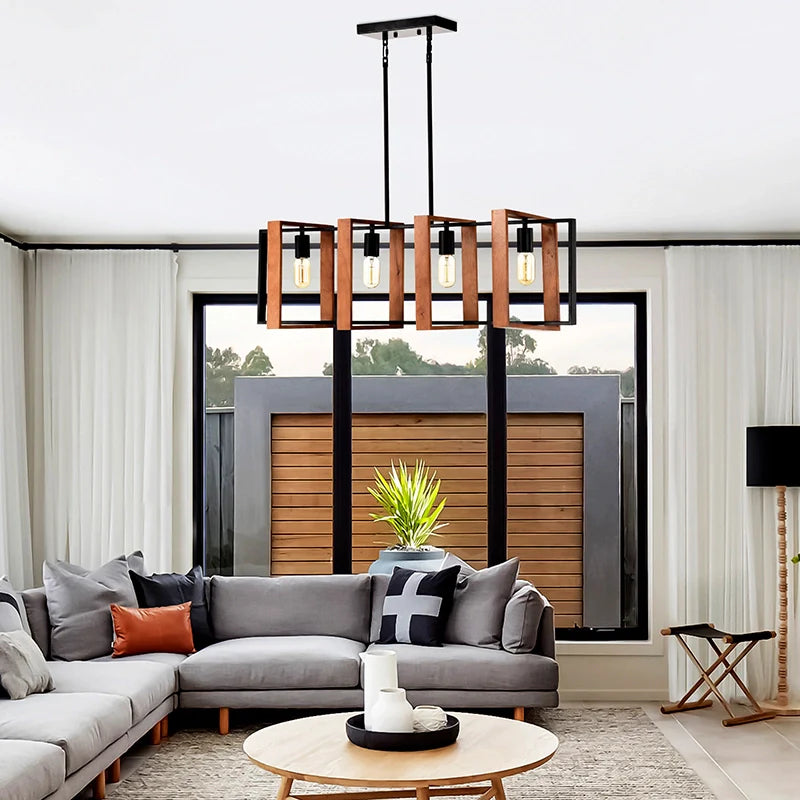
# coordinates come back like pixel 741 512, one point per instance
pixel 99 786
pixel 155 733
pixel 224 721
pixel 519 713
pixel 165 727
pixel 113 772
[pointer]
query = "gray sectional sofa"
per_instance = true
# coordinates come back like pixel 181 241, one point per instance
pixel 288 642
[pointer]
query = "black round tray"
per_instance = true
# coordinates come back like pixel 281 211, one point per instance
pixel 418 740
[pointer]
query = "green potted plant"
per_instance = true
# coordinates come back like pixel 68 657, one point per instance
pixel 411 507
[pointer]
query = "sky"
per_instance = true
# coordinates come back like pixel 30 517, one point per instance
pixel 603 337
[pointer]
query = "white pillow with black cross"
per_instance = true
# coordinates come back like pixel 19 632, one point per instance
pixel 417 606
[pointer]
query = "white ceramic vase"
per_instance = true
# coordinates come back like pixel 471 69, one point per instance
pixel 392 713
pixel 379 671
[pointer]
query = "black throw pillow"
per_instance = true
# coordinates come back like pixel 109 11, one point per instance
pixel 417 606
pixel 172 589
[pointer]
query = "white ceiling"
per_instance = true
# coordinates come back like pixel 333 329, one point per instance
pixel 199 120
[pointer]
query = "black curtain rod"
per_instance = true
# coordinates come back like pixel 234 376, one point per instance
pixel 587 243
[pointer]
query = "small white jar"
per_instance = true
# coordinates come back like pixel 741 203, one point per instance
pixel 392 713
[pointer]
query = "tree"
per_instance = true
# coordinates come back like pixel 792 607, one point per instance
pixel 627 377
pixel 520 348
pixel 223 366
pixel 395 357
pixel 257 363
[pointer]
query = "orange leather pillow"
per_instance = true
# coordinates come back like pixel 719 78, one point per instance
pixel 167 629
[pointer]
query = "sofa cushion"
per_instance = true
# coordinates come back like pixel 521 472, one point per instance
pixel 417 605
pixel 463 667
pixel 145 684
pixel 274 662
pixel 172 589
pixel 30 770
pixel 380 583
pixel 171 659
pixel 23 670
pixel 13 616
pixel 521 620
pixel 38 619
pixel 291 605
pixel 148 630
pixel 479 604
pixel 81 724
pixel 78 604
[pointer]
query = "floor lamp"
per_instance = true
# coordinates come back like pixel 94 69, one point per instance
pixel 773 459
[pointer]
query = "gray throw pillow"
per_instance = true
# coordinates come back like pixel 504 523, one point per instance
pixel 78 603
pixel 12 608
pixel 479 604
pixel 521 620
pixel 23 670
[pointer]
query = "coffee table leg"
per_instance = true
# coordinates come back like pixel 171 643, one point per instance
pixel 423 793
pixel 499 791
pixel 285 788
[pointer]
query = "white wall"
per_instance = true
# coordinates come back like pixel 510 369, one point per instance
pixel 589 671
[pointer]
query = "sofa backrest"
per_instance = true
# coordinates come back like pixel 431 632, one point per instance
pixel 39 620
pixel 291 605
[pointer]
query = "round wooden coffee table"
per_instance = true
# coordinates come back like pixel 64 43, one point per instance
pixel 316 749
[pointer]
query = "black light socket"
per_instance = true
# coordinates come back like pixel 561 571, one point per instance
pixel 372 245
pixel 447 242
pixel 302 246
pixel 524 239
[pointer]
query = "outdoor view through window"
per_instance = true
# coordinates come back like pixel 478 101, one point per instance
pixel 601 344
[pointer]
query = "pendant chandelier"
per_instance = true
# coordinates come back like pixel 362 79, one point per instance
pixel 536 238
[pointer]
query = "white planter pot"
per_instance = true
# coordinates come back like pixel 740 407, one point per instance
pixel 392 713
pixel 379 671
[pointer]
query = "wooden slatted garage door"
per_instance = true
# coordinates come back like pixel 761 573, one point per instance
pixel 545 492
pixel 452 444
pixel 545 507
pixel 302 482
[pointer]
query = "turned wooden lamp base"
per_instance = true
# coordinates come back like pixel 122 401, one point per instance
pixel 781 709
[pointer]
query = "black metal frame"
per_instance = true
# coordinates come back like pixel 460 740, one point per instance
pixel 177 247
pixel 497 444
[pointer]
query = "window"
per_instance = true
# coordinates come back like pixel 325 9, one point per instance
pixel 424 394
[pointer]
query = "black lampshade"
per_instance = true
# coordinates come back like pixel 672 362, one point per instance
pixel 773 455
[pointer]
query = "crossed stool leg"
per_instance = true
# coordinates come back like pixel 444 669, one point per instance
pixel 708 632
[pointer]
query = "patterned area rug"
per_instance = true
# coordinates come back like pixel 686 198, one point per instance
pixel 604 753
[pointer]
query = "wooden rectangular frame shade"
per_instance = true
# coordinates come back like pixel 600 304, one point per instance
pixel 422 273
pixel 344 273
pixel 501 299
pixel 274 274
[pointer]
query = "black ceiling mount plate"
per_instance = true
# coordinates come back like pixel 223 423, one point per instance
pixel 411 26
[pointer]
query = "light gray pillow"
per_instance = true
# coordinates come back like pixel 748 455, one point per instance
pixel 23 670
pixel 521 620
pixel 12 608
pixel 479 604
pixel 78 602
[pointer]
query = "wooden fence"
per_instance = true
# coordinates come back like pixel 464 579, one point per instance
pixel 545 482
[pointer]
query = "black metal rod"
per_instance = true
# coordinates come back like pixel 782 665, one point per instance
pixel 342 399
pixel 212 246
pixel 199 430
pixel 496 444
pixel 386 127
pixel 429 70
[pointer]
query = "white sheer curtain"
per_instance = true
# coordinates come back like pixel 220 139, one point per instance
pixel 733 361
pixel 15 528
pixel 101 360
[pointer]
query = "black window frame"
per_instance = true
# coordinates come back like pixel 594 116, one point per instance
pixel 496 387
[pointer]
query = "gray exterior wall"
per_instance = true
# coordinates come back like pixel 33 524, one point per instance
pixel 594 396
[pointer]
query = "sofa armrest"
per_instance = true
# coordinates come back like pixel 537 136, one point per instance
pixel 546 637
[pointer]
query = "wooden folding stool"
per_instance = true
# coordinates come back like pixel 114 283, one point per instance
pixel 708 632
